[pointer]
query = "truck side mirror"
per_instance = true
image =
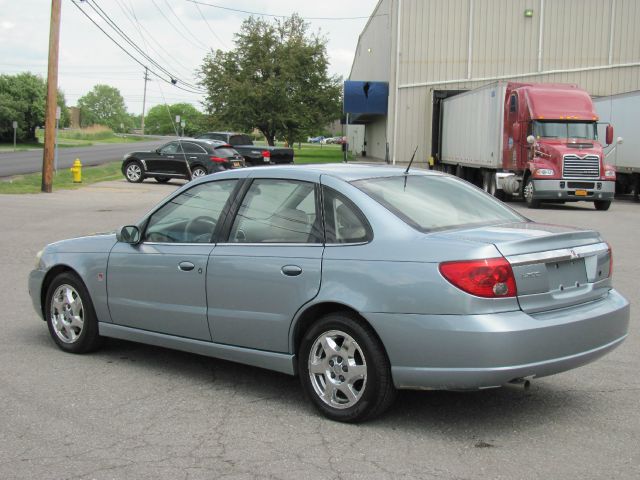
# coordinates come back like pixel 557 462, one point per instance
pixel 609 135
pixel 516 132
pixel 531 139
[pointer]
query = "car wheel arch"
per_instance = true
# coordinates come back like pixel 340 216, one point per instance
pixel 306 318
pixel 49 277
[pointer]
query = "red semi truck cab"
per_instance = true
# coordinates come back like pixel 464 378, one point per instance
pixel 550 147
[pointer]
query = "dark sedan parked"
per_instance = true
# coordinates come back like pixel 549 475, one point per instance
pixel 170 160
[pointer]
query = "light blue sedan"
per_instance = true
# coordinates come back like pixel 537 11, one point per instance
pixel 360 280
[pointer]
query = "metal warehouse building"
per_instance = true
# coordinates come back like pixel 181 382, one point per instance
pixel 421 51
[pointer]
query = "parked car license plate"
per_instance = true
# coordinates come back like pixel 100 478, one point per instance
pixel 581 193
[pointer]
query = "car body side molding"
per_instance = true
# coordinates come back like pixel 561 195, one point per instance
pixel 280 362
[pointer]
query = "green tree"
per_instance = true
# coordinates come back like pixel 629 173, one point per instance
pixel 104 105
pixel 161 119
pixel 22 99
pixel 275 80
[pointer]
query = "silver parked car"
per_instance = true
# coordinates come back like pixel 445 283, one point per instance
pixel 360 280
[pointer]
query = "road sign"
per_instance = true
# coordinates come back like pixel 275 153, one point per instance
pixel 15 124
pixel 182 123
pixel 177 118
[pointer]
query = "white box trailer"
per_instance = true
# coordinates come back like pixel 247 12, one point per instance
pixel 472 127
pixel 622 111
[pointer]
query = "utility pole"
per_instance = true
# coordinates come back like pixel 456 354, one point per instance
pixel 52 97
pixel 144 97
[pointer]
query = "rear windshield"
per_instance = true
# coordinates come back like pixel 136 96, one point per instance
pixel 240 140
pixel 430 203
pixel 225 152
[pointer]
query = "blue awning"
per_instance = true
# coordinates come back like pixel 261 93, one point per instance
pixel 365 101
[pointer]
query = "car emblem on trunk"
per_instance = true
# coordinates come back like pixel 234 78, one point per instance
pixel 573 254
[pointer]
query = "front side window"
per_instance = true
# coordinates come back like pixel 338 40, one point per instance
pixel 192 216
pixel 240 140
pixel 343 221
pixel 549 129
pixel 170 148
pixel 278 211
pixel 435 202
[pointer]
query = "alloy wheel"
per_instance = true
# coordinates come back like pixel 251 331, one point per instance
pixel 67 313
pixel 337 369
pixel 134 172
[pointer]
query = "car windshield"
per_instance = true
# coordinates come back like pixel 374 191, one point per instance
pixel 432 202
pixel 240 140
pixel 584 130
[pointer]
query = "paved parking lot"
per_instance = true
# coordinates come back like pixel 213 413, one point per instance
pixel 135 411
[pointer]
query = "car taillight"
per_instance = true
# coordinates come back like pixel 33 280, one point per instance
pixel 217 159
pixel 266 154
pixel 610 260
pixel 490 278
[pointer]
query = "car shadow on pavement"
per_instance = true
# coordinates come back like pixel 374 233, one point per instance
pixel 483 413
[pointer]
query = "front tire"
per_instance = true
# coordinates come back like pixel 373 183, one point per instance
pixel 528 194
pixel 344 370
pixel 133 172
pixel 602 205
pixel 70 315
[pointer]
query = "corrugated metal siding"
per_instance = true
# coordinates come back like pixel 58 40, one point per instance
pixel 372 58
pixel 434 41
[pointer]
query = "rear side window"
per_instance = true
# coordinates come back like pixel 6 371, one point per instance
pixel 278 211
pixel 192 148
pixel 343 221
pixel 240 140
pixel 436 202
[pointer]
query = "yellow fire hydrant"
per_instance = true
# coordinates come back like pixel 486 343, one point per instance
pixel 76 170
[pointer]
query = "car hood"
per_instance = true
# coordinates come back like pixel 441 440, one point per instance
pixel 96 243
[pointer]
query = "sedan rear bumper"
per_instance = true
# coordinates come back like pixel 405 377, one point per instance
pixel 484 351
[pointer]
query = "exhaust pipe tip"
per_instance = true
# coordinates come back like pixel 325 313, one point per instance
pixel 524 381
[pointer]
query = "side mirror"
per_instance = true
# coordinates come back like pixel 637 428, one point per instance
pixel 531 139
pixel 516 132
pixel 609 135
pixel 620 140
pixel 128 234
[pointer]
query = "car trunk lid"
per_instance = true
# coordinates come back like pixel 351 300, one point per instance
pixel 554 266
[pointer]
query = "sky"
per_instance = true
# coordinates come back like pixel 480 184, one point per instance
pixel 172 32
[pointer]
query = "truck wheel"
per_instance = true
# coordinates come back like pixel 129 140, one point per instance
pixel 602 204
pixel 344 370
pixel 486 181
pixel 528 193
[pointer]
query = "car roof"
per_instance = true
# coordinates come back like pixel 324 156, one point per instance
pixel 206 141
pixel 345 172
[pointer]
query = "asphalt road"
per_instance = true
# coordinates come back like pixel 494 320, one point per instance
pixel 16 163
pixel 135 411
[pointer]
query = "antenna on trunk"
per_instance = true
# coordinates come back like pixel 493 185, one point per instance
pixel 411 161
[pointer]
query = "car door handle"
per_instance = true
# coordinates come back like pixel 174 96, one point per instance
pixel 193 158
pixel 291 270
pixel 170 156
pixel 186 266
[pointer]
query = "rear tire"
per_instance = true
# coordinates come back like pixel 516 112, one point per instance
pixel 344 369
pixel 197 172
pixel 602 205
pixel 133 172
pixel 70 315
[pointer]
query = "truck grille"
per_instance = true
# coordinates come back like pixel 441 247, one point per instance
pixel 576 167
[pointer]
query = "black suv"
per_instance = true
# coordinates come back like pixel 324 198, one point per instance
pixel 170 160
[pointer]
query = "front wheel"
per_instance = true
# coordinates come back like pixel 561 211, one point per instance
pixel 602 204
pixel 133 172
pixel 528 195
pixel 70 315
pixel 344 370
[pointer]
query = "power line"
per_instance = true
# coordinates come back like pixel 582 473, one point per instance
pixel 259 14
pixel 184 26
pixel 131 55
pixel 209 27
pixel 176 29
pixel 102 14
